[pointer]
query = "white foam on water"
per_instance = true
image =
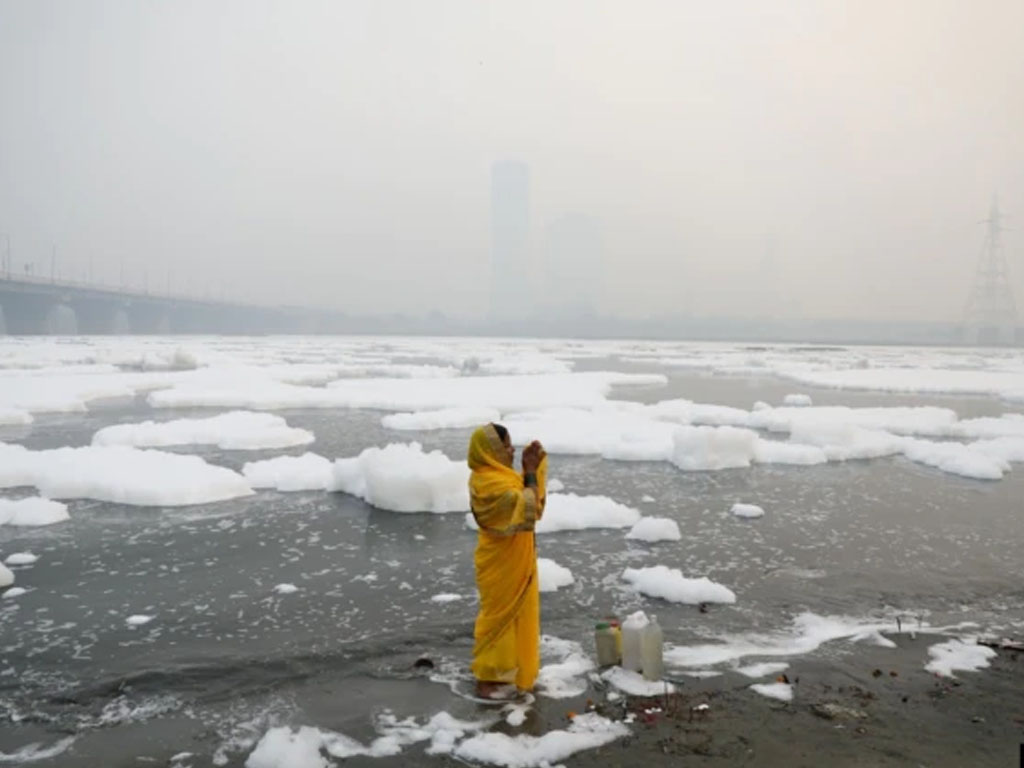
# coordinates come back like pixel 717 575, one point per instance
pixel 501 393
pixel 244 727
pixel 633 683
pixel 958 655
pixel 764 669
pixel 1004 449
pixel 777 691
pixel 516 714
pixel 809 631
pixel 778 452
pixel 308 472
pixel 21 558
pixel 138 619
pixel 14 416
pixel 918 380
pixel 845 442
pixel 236 430
pixel 403 478
pixel 552 647
pixel 990 427
pixel 569 512
pixel 6 576
pixel 613 431
pixel 705 448
pixel 119 474
pixel 564 679
pixel 445 418
pixel 69 390
pixel 923 421
pixel 446 597
pixel 285 589
pixel 700 674
pixel 688 412
pixel 564 670
pixel 956 459
pixel 587 731
pixel 13 591
pixel 703 437
pixel 32 512
pixel 520 364
pixel 181 359
pixel 798 400
pixel 631 431
pixel 392 371
pixel 35 751
pixel 552 576
pixel 873 637
pixel 747 510
pixel 282 747
pixel 712 448
pixel 126 710
pixel 309 747
pixel 670 584
pixel 654 529
pixel 442 730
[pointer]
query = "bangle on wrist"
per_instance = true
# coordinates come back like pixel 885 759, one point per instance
pixel 530 479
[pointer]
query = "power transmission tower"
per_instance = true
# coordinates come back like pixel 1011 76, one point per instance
pixel 991 314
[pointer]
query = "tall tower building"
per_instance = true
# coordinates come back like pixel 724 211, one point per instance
pixel 510 234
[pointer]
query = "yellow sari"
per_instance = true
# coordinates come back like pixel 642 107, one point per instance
pixel 507 633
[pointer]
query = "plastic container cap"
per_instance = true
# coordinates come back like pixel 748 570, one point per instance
pixel 601 625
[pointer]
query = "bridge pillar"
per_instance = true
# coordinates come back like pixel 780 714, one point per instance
pixel 145 317
pixel 120 325
pixel 102 316
pixel 61 320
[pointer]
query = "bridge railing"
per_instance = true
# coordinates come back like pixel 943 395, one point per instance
pixel 58 283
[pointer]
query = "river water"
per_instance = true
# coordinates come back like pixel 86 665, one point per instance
pixel 225 656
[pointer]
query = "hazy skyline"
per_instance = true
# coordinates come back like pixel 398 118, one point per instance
pixel 814 159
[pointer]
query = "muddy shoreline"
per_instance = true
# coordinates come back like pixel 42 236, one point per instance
pixel 886 711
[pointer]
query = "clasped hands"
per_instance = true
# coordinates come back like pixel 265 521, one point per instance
pixel 533 454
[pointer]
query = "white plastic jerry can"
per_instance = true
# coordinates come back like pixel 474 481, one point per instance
pixel 632 635
pixel 651 645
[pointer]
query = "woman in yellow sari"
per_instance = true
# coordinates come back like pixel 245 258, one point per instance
pixel 506 505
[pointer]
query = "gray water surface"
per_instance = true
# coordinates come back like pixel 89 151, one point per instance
pixel 225 656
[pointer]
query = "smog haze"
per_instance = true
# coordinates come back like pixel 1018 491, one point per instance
pixel 802 159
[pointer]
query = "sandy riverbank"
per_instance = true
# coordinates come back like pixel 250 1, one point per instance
pixel 910 718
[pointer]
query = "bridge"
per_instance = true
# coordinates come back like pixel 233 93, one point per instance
pixel 33 305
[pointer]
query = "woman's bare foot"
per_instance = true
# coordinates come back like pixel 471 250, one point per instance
pixel 486 689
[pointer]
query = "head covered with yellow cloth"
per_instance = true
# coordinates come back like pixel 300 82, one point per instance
pixel 506 505
pixel 496 490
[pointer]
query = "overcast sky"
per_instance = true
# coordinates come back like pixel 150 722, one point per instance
pixel 818 158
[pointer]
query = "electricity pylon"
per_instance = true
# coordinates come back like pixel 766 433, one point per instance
pixel 991 313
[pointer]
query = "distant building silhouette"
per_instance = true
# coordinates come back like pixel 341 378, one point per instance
pixel 510 234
